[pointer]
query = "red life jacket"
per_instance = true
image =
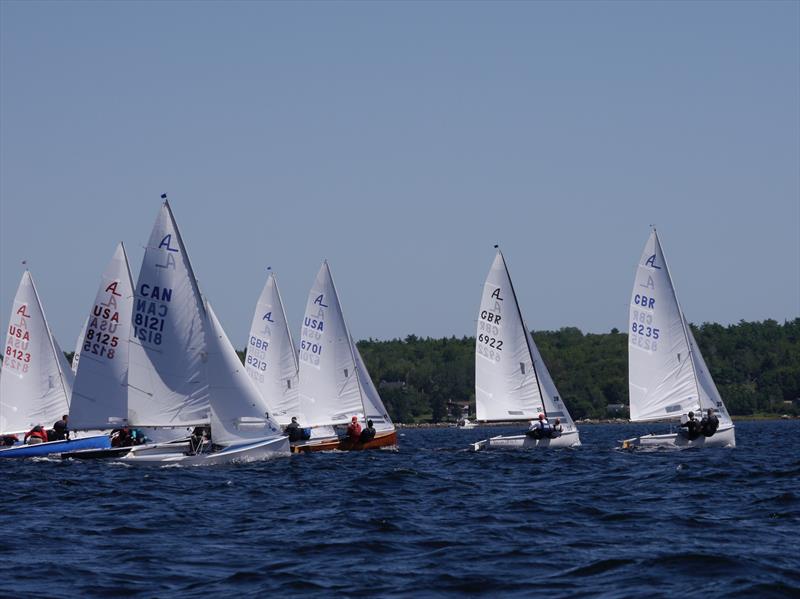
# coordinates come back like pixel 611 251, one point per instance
pixel 354 430
pixel 42 434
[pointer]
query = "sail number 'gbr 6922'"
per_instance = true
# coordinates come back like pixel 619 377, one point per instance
pixel 489 344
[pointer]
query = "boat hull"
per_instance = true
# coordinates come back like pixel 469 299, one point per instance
pixel 724 437
pixel 382 439
pixel 56 447
pixel 568 439
pixel 173 453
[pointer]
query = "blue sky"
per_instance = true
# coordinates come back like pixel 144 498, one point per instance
pixel 401 141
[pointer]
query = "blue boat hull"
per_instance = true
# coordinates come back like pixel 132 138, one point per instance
pixel 44 449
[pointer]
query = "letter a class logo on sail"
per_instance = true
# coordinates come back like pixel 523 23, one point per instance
pixel 651 261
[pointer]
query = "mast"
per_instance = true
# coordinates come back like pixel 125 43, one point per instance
pixel 525 328
pixel 68 395
pixel 285 320
pixel 683 318
pixel 185 254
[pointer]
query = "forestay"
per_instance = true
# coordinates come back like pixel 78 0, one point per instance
pixel 36 380
pixel 329 389
pixel 271 358
pixel 100 393
pixel 506 385
pixel 168 385
pixel 662 380
pixel 238 412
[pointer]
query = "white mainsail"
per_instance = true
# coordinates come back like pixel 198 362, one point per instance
pixel 662 365
pixel 271 358
pixel 506 387
pixel 36 380
pixel 238 411
pixel 168 384
pixel 100 393
pixel 329 389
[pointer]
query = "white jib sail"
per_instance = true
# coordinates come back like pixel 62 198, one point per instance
pixel 661 375
pixel 100 393
pixel 167 379
pixel 36 380
pixel 271 359
pixel 709 394
pixel 506 386
pixel 373 405
pixel 329 389
pixel 554 406
pixel 238 412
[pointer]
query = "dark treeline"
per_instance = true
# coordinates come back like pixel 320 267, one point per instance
pixel 756 366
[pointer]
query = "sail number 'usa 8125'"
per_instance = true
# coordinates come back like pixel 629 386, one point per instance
pixel 100 339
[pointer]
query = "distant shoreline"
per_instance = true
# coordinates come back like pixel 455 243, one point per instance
pixel 589 421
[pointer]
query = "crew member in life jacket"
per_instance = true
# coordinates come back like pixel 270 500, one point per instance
pixel 121 437
pixel 368 434
pixel 8 440
pixel 540 429
pixel 61 429
pixel 36 435
pixel 557 429
pixel 709 424
pixel 354 429
pixel 692 427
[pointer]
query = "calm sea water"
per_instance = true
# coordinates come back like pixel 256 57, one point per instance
pixel 431 519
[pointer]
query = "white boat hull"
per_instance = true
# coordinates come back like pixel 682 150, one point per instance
pixel 568 439
pixel 174 453
pixel 724 437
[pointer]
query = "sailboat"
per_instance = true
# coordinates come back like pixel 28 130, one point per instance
pixel 183 372
pixel 667 375
pixel 100 393
pixel 241 429
pixel 36 380
pixel 512 382
pixel 334 383
pixel 271 359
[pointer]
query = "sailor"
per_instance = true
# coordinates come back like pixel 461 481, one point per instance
pixel 197 439
pixel 557 429
pixel 354 429
pixel 121 437
pixel 709 424
pixel 8 440
pixel 540 429
pixel 368 434
pixel 293 430
pixel 61 429
pixel 692 427
pixel 36 435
